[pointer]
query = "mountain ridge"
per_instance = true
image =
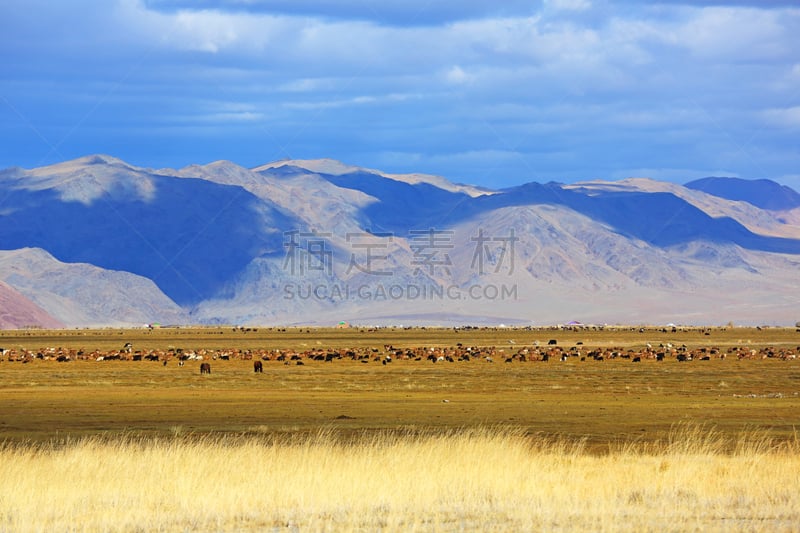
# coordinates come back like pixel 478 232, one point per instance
pixel 762 193
pixel 319 241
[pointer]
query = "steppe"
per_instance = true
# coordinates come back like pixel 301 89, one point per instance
pixel 391 435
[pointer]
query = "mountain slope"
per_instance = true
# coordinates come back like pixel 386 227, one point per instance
pixel 96 241
pixel 311 201
pixel 17 312
pixel 762 193
pixel 187 235
pixel 79 294
pixel 331 167
pixel 660 218
pixel 760 221
pixel 396 205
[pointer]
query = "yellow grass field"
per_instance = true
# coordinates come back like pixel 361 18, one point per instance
pixel 477 480
pixel 347 445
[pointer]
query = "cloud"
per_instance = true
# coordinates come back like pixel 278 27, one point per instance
pixel 568 5
pixel 205 30
pixel 561 90
pixel 349 102
pixel 387 12
pixel 457 75
pixel 737 34
pixel 783 117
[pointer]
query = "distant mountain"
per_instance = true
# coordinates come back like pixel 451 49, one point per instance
pixel 762 193
pixel 97 241
pixel 17 312
pixel 331 167
pixel 189 235
pixel 79 294
pixel 397 204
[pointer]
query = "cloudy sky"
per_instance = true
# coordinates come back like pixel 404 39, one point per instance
pixel 488 93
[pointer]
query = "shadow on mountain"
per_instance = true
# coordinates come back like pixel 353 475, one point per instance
pixel 765 194
pixel 661 219
pixel 189 238
pixel 402 206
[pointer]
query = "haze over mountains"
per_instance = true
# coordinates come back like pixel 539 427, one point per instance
pixel 96 241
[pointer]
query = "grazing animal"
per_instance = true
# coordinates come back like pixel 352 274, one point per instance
pixel 552 342
pixel 258 367
pixel 205 368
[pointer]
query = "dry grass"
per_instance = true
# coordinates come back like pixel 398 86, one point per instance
pixel 469 480
pixel 601 403
pixel 409 446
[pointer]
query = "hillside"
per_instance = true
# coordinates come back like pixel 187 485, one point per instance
pixel 79 294
pixel 765 194
pixel 17 312
pixel 98 241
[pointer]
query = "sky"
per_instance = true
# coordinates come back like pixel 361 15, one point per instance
pixel 493 94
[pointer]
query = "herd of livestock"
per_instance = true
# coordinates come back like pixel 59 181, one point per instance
pixel 386 354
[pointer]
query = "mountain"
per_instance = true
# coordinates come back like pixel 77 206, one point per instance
pixel 17 312
pixel 98 241
pixel 330 167
pixel 79 294
pixel 188 235
pixel 397 204
pixel 765 194
pixel 756 220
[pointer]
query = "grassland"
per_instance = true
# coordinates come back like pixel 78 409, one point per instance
pixel 477 480
pixel 601 402
pixel 411 445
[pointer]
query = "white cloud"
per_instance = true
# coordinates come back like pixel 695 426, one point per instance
pixel 457 75
pixel 783 117
pixel 569 5
pixel 737 34
pixel 204 30
pixel 307 85
pixel 467 85
pixel 360 100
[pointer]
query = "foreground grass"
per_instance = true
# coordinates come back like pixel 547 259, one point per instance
pixel 467 480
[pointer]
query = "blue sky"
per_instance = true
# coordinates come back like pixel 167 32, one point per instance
pixel 488 93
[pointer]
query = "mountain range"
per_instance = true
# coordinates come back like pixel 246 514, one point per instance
pixel 98 242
